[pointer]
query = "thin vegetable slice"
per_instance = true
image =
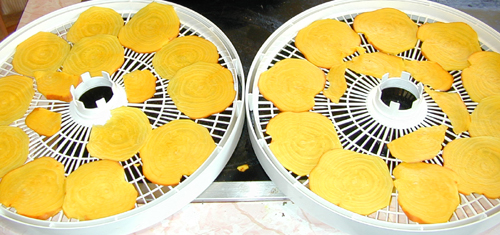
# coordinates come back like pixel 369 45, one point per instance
pixel 453 106
pixel 43 51
pixel 476 160
pixel 377 64
pixel 357 182
pixel 98 189
pixel 482 77
pixel 422 144
pixel 485 119
pixel 150 28
pixel 140 85
pixel 16 92
pixel 291 84
pixel 175 149
pixel 338 84
pixel 299 139
pixel 121 137
pixel 14 143
pixel 36 189
pixel 181 52
pixel 56 85
pixel 202 89
pixel 427 193
pixel 44 122
pixel 93 21
pixel 429 73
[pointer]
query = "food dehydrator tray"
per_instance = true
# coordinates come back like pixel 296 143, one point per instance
pixel 154 202
pixel 358 128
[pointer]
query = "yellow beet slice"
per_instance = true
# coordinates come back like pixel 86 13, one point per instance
pixel 140 85
pixel 181 52
pixel 485 119
pixel 449 44
pixel 357 182
pixel 16 92
pixel 482 77
pixel 150 28
pixel 175 149
pixel 299 139
pixel 427 193
pixel 14 143
pixel 377 64
pixel 93 21
pixel 326 42
pixel 98 189
pixel 44 122
pixel 43 51
pixel 36 189
pixel 56 85
pixel 422 144
pixel 476 160
pixel 453 106
pixel 291 84
pixel 338 84
pixel 429 73
pixel 202 89
pixel 121 137
pixel 95 54
pixel 389 30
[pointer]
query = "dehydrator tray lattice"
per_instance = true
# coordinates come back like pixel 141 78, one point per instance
pixel 359 128
pixel 68 145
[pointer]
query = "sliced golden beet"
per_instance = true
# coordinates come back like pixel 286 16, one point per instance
pixel 427 193
pixel 98 189
pixel 95 54
pixel 140 85
pixel 14 143
pixel 422 144
pixel 291 84
pixel 338 84
pixel 93 21
pixel 16 92
pixel 357 182
pixel 56 85
pixel 476 160
pixel 482 77
pixel 485 119
pixel 181 52
pixel 36 189
pixel 377 64
pixel 389 30
pixel 121 137
pixel 449 44
pixel 44 122
pixel 202 89
pixel 175 149
pixel 41 52
pixel 326 42
pixel 429 73
pixel 453 106
pixel 299 139
pixel 150 28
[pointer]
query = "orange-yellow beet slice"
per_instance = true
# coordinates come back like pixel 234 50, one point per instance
pixel 291 84
pixel 56 85
pixel 453 106
pixel 338 84
pixel 326 42
pixel 357 182
pixel 427 193
pixel 299 139
pixel 98 189
pixel 150 28
pixel 36 189
pixel 449 44
pixel 14 143
pixel 121 137
pixel 93 21
pixel 140 85
pixel 482 77
pixel 429 73
pixel 181 52
pixel 476 160
pixel 389 30
pixel 175 149
pixel 41 52
pixel 485 119
pixel 44 121
pixel 377 64
pixel 422 144
pixel 16 92
pixel 202 89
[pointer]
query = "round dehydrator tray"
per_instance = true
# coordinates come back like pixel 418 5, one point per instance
pixel 154 202
pixel 361 130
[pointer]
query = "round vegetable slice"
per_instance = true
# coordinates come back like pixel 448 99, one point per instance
pixel 140 85
pixel 36 189
pixel 357 182
pixel 429 73
pixel 44 121
pixel 16 92
pixel 56 85
pixel 175 149
pixel 14 143
pixel 377 64
pixel 454 107
pixel 485 119
pixel 93 21
pixel 422 144
pixel 482 77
